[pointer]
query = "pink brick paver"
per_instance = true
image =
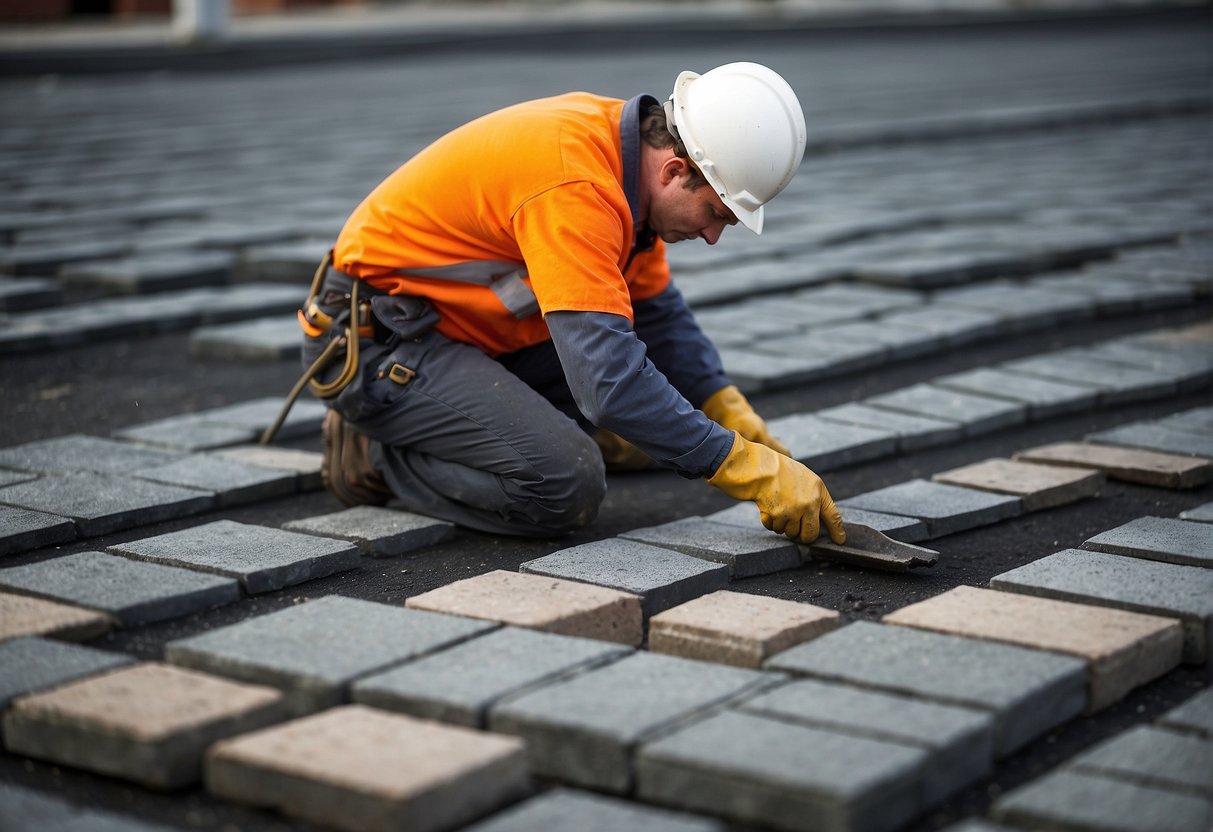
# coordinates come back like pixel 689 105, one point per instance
pixel 1153 468
pixel 22 615
pixel 365 770
pixel 554 605
pixel 736 627
pixel 1122 649
pixel 1039 486
pixel 147 722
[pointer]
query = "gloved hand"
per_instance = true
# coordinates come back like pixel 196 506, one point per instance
pixel 618 454
pixel 729 408
pixel 791 499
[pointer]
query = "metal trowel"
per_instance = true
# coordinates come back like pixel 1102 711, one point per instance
pixel 867 547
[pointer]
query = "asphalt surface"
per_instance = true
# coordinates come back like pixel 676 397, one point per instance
pixel 354 121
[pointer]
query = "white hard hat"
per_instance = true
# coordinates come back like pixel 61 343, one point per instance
pixel 743 128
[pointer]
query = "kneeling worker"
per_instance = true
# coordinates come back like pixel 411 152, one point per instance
pixel 498 314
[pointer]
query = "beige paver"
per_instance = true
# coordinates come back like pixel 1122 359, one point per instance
pixel 554 605
pixel 736 627
pixel 21 615
pixel 1154 468
pixel 147 722
pixel 1039 486
pixel 363 769
pixel 1122 649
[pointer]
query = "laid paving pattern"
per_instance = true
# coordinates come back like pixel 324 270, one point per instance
pixel 378 532
pixel 1158 538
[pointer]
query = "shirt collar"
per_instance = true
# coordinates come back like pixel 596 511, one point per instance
pixel 629 133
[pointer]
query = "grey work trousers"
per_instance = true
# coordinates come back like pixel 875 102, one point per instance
pixel 495 445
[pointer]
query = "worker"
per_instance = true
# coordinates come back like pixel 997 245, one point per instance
pixel 509 326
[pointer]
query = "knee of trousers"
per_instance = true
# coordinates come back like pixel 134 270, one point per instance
pixel 571 491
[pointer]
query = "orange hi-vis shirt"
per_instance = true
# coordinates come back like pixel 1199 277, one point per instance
pixel 519 213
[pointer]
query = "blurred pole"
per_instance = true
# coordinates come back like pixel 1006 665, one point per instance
pixel 200 21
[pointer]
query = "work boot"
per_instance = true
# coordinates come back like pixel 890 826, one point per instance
pixel 347 470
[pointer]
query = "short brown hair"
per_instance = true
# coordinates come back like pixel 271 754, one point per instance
pixel 656 133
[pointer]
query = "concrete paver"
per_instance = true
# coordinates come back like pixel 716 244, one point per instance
pixel 1116 383
pixel 460 683
pixel 379 532
pixel 1028 691
pixel 1155 437
pixel 22 615
pixel 1192 717
pixel 1158 538
pixel 231 482
pixel 305 464
pixel 357 768
pixel 824 446
pixel 1038 486
pixel 28 809
pixel 913 432
pixel 261 558
pixel 1150 587
pixel 584 730
pixel 975 414
pixel 32 664
pixel 1122 649
pixel 563 808
pixel 1045 398
pixel 147 722
pixel 1153 757
pixel 946 509
pixel 736 628
pixel 746 552
pixel 905 529
pixel 131 593
pixel 78 452
pixel 22 530
pixel 660 575
pixel 222 427
pixel 315 650
pixel 1129 464
pixel 259 339
pixel 152 272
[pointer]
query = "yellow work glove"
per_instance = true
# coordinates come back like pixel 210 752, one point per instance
pixel 618 454
pixel 730 409
pixel 791 499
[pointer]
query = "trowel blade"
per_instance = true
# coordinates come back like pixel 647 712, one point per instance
pixel 866 546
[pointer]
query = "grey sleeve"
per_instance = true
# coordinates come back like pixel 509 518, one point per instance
pixel 617 388
pixel 678 347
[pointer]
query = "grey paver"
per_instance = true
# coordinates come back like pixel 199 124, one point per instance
pixel 783 775
pixel 906 529
pixel 1038 486
pixel 46 258
pixel 133 593
pixel 900 342
pixel 1129 464
pixel 283 262
pixel 24 615
pixel 1155 437
pixel 313 651
pixel 584 730
pixel 1158 538
pixel 1116 383
pixel 1192 717
pixel 19 294
pixel 77 452
pixel 8 477
pixel 1068 799
pixel 263 559
pixel 304 464
pixel 563 808
pixel 235 424
pixel 232 483
pixel 100 503
pixel 957 328
pixel 31 664
pixel 824 445
pixel 379 532
pixel 1045 398
pixel 260 339
pixel 913 432
pixel 460 683
pixel 961 740
pixel 22 529
pixel 1028 691
pixel 946 509
pixel 1171 590
pixel 26 809
pixel 152 272
pixel 747 552
pixel 756 371
pixel 975 414
pixel 662 577
pixel 1153 757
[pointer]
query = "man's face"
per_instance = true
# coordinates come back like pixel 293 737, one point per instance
pixel 680 213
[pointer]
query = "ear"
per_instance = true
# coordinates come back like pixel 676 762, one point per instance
pixel 673 168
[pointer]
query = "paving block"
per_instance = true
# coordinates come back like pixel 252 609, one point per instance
pixel 1153 757
pixel 746 552
pixel 284 262
pixel 77 452
pixel 27 809
pixel 147 722
pixel 1045 398
pixel 313 651
pixel 1067 799
pixel 363 770
pixel 459 684
pixel 658 576
pixel 825 446
pixel 913 432
pixel 736 628
pixel 956 328
pixel 1128 464
pixel 1192 717
pixel 235 424
pixel 22 615
pixel 975 414
pixel 152 272
pixel 585 729
pixel 20 294
pixel 946 509
pixel 32 663
pixel 260 339
pixel 23 530
pixel 305 464
pixel 261 558
pixel 905 529
pixel 130 592
pixel 563 808
pixel 1038 486
pixel 47 258
pixel 1134 584
pixel 378 532
pixel 960 740
pixel 1158 538
pixel 1155 437
pixel 12 477
pixel 1028 691
pixel 231 482
pixel 899 342
pixel 1122 650
pixel 100 503
pixel 1116 383
pixel 783 775
pixel 754 371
